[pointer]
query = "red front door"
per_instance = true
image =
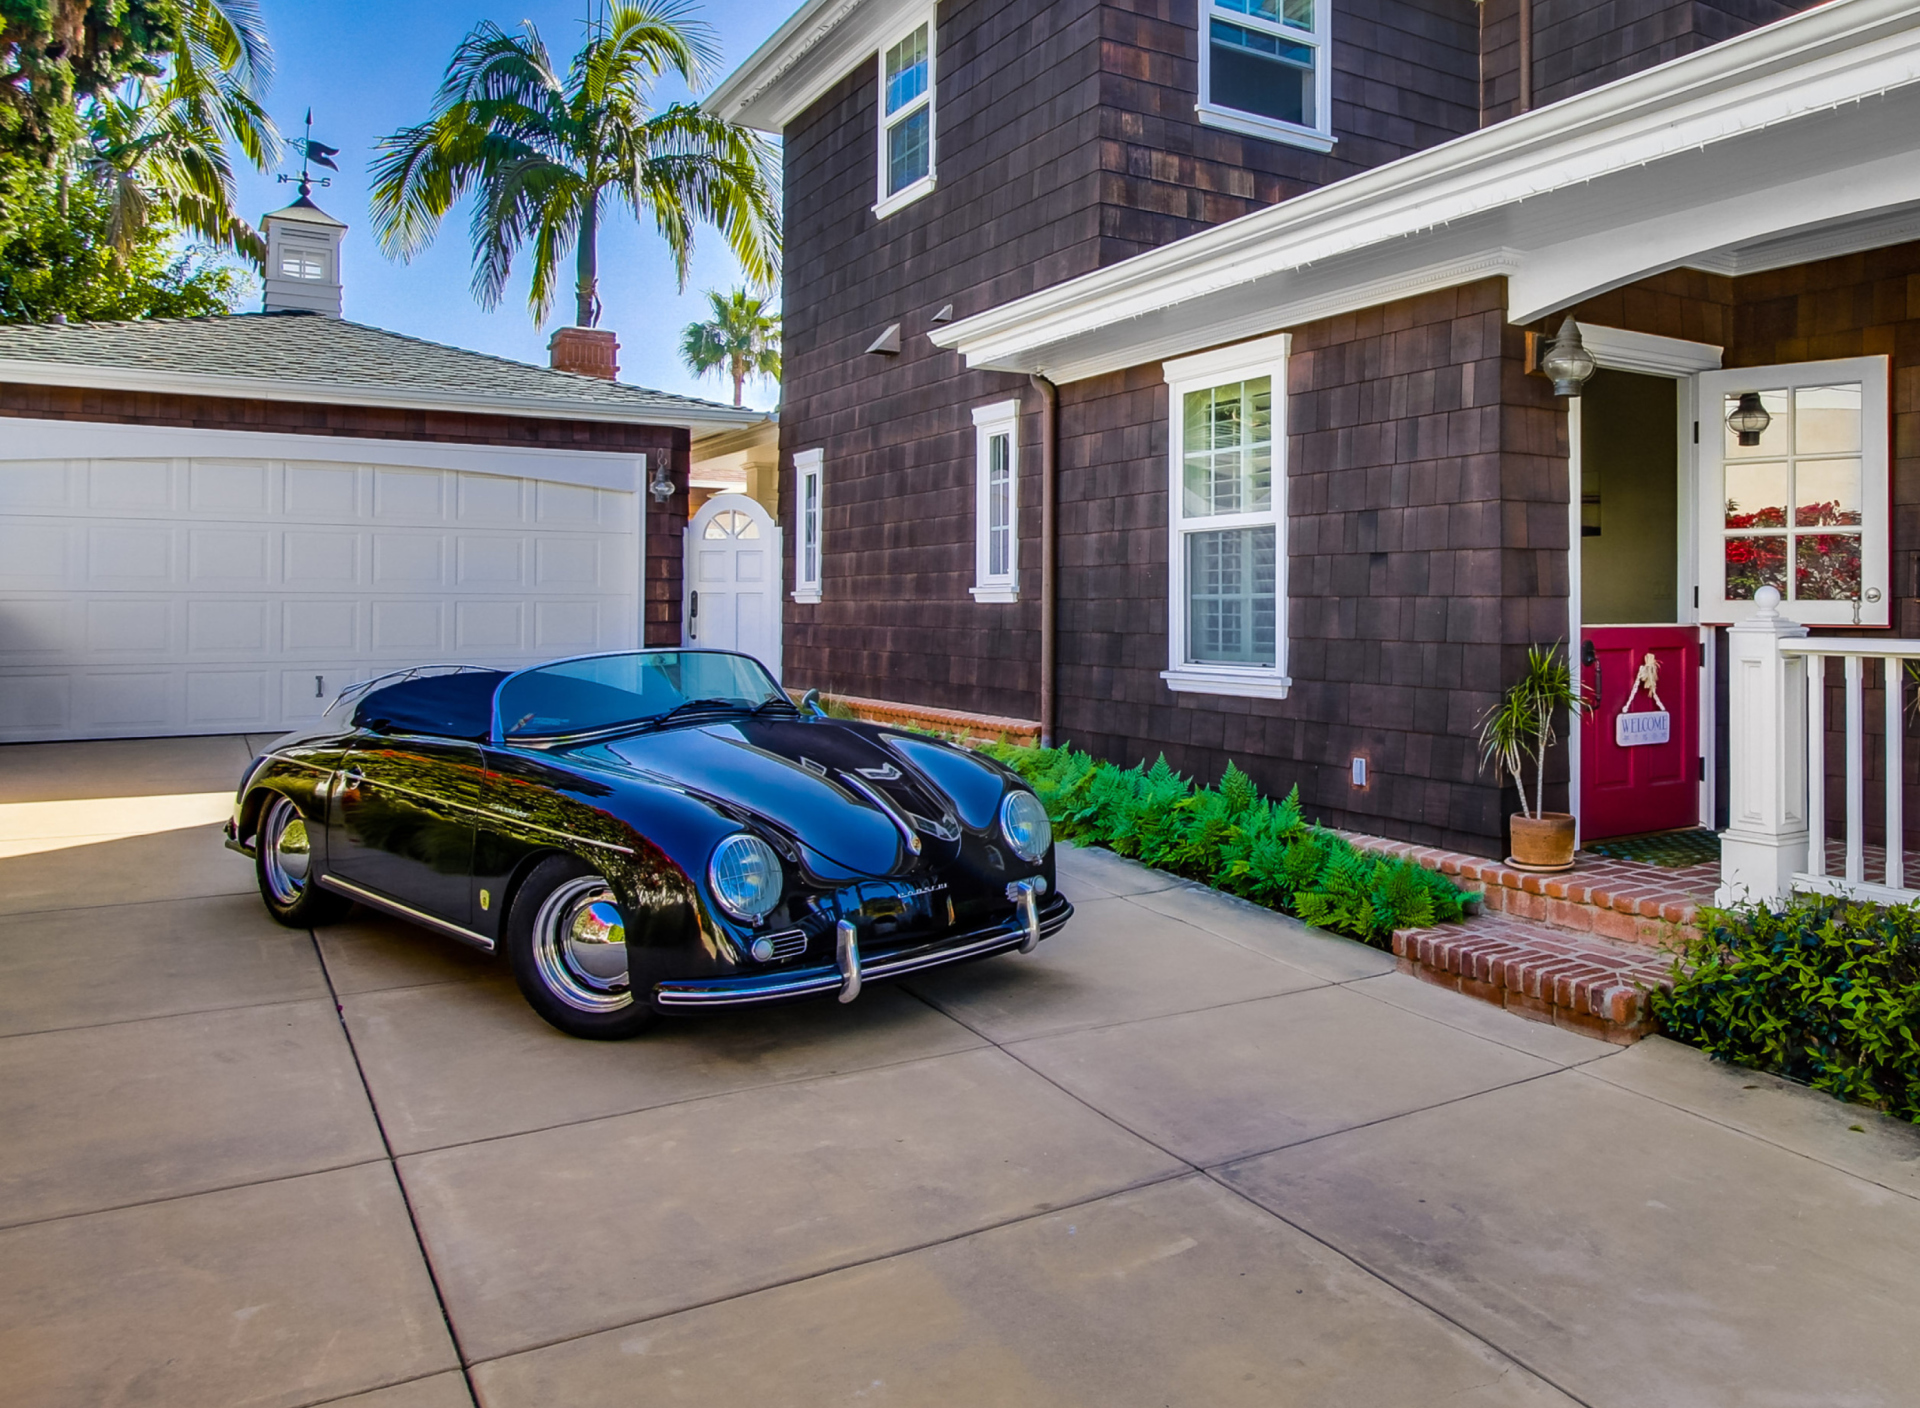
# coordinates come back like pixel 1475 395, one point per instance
pixel 1638 771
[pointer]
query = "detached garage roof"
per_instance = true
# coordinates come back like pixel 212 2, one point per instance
pixel 299 356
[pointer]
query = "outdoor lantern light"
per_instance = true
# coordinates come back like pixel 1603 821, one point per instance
pixel 1749 419
pixel 662 486
pixel 1568 362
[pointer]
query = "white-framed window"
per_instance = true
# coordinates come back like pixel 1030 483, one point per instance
pixel 906 116
pixel 297 263
pixel 996 502
pixel 1800 502
pixel 1266 69
pixel 808 518
pixel 1227 486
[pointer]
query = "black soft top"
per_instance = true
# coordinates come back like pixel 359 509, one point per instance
pixel 441 706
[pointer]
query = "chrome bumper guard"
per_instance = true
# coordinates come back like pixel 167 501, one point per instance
pixel 851 970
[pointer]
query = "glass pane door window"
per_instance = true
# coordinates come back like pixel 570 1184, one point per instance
pixel 906 114
pixel 1227 567
pixel 1264 69
pixel 1794 490
pixel 996 558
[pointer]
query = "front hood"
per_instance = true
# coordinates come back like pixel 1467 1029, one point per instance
pixel 816 780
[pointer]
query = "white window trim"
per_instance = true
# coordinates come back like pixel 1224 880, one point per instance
pixel 1001 418
pixel 1317 138
pixel 808 465
pixel 885 204
pixel 1265 356
pixel 1876 500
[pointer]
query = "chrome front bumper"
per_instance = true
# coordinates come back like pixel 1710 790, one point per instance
pixel 853 970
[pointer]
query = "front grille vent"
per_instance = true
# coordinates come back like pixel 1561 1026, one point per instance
pixel 789 943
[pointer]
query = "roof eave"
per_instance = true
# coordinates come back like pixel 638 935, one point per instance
pixel 816 47
pixel 1623 124
pixel 91 376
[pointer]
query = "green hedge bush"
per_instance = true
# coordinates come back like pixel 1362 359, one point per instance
pixel 1823 992
pixel 1234 839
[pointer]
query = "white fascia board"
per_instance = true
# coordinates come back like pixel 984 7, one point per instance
pixel 1832 55
pixel 316 393
pixel 32 439
pixel 812 51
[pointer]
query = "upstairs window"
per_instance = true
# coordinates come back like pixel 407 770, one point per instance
pixel 1265 71
pixel 996 534
pixel 806 528
pixel 906 118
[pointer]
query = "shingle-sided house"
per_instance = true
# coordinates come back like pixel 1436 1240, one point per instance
pixel 211 525
pixel 1166 373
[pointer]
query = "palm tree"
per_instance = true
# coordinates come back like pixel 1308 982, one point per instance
pixel 158 144
pixel 545 153
pixel 743 337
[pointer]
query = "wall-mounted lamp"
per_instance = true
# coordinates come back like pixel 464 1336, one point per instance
pixel 1749 420
pixel 662 485
pixel 1567 361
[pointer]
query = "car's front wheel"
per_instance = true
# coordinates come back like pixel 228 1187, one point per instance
pixel 283 864
pixel 567 941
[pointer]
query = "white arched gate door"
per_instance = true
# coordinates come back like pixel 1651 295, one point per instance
pixel 733 579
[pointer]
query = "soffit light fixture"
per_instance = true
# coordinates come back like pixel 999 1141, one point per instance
pixel 1749 420
pixel 1567 361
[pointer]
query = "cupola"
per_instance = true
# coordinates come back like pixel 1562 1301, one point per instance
pixel 303 259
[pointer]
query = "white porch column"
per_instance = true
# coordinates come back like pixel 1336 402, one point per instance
pixel 1766 840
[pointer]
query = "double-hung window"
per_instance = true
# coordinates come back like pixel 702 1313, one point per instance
pixel 996 499
pixel 808 518
pixel 1265 69
pixel 906 117
pixel 1227 566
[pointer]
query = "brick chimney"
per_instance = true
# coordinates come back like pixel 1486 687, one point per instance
pixel 589 351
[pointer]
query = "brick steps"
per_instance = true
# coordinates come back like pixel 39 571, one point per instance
pixel 1581 983
pixel 1622 901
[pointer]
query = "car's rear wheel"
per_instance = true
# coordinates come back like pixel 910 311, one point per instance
pixel 566 938
pixel 283 865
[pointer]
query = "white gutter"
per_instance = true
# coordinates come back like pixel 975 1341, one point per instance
pixel 817 46
pixel 1835 54
pixel 92 376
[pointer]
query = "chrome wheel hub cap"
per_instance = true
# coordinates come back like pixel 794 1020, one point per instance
pixel 580 946
pixel 286 850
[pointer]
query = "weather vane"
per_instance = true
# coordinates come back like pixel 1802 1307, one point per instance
pixel 313 154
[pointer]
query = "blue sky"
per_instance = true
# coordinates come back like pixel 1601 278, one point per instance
pixel 368 69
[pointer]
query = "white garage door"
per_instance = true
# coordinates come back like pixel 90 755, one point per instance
pixel 173 594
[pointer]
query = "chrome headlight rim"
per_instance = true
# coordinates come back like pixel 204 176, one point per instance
pixel 1032 837
pixel 731 870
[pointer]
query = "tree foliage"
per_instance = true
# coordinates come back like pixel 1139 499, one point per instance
pixel 65 263
pixel 543 153
pixel 741 339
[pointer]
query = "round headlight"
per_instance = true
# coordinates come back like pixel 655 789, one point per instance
pixel 1023 821
pixel 746 877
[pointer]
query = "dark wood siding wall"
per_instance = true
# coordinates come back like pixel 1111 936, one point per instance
pixel 665 522
pixel 1427 534
pixel 1582 44
pixel 1066 141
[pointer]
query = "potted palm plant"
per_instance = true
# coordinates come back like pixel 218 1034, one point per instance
pixel 1519 730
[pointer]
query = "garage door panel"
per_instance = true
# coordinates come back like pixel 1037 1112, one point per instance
pixel 39 554
pixel 129 557
pixel 323 490
pixel 30 485
pixel 148 595
pixel 228 488
pixel 130 486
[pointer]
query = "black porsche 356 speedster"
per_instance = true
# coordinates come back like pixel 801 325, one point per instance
pixel 648 831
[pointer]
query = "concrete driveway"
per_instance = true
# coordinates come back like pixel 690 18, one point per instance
pixel 1187 1154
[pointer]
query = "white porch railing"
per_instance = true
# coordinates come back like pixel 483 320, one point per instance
pixel 1777 726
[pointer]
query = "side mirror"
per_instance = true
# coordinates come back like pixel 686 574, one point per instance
pixel 810 704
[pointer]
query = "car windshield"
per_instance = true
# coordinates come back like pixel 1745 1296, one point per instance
pixel 602 693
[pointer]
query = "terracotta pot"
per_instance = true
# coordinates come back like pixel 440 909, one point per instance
pixel 1545 840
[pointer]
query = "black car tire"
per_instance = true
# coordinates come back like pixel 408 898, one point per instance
pixel 283 868
pixel 557 934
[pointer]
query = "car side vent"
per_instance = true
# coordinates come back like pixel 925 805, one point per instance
pixel 789 943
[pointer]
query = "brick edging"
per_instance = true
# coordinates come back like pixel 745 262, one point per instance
pixel 985 728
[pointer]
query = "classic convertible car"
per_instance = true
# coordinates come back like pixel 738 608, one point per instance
pixel 648 831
